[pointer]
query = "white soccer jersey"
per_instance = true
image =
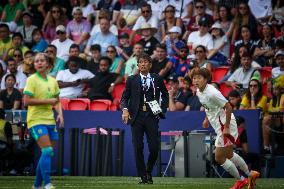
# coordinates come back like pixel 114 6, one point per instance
pixel 213 102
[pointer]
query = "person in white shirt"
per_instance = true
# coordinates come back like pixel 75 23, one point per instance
pixel 21 78
pixel 62 43
pixel 201 37
pixel 219 114
pixel 278 71
pixel 72 80
pixel 148 17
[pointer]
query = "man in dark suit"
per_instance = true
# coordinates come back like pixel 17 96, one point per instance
pixel 139 90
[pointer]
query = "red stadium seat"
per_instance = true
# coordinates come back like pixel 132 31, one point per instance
pixel 79 104
pixel 64 103
pixel 117 93
pixel 219 73
pixel 100 105
pixel 225 90
pixel 113 107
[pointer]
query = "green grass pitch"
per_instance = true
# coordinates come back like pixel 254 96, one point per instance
pixel 131 182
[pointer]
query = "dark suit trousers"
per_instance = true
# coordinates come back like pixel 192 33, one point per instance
pixel 145 123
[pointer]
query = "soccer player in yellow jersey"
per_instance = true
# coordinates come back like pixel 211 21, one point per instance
pixel 41 95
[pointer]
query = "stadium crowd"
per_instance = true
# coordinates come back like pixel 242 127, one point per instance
pixel 94 44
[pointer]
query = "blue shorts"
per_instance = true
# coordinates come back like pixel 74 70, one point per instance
pixel 38 131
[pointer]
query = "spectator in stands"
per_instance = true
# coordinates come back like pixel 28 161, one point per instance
pixel 54 18
pixel 244 17
pixel 173 42
pixel 131 67
pixel 112 6
pixel 201 59
pixel 254 98
pixel 78 29
pixel 276 104
pixel 125 49
pixel 281 28
pixel 148 40
pixel 18 57
pixel 10 98
pixel 72 80
pixel 87 9
pixel 158 7
pixel 20 76
pixel 183 8
pixel 235 99
pixel 12 13
pixel 178 96
pixel 5 41
pixel 179 65
pixel 221 50
pixel 105 38
pixel 130 11
pixel 39 43
pixel 117 65
pixel 201 37
pixel 278 71
pixel 28 63
pixel 102 85
pixel 264 51
pixel 97 28
pixel 62 43
pixel 17 43
pixel 193 24
pixel 57 64
pixel 160 61
pixel 147 16
pixel 241 76
pixel 74 50
pixel 93 65
pixel 27 28
pixel 246 39
pixel 170 21
pixel 225 20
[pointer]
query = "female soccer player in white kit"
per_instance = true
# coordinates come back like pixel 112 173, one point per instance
pixel 219 115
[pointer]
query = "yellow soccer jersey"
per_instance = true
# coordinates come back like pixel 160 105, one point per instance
pixel 262 104
pixel 40 88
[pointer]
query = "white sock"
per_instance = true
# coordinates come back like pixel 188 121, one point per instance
pixel 240 163
pixel 231 168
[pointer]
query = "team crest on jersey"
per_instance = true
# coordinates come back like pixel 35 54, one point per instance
pixel 39 131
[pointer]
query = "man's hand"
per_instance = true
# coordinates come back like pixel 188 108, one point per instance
pixel 205 123
pixel 125 116
pixel 60 120
pixel 110 89
pixel 235 85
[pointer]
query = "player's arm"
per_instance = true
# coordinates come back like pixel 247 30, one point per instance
pixel 59 111
pixel 228 109
pixel 30 101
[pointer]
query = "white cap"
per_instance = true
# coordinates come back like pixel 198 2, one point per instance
pixel 280 52
pixel 60 28
pixel 216 25
pixel 175 29
pixel 76 9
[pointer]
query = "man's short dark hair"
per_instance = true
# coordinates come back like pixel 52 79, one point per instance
pixel 145 57
pixel 247 55
pixel 74 46
pixel 234 93
pixel 146 5
pixel 203 72
pixel 75 59
pixel 17 34
pixel 106 59
pixel 29 52
pixel 3 25
pixel 161 46
pixel 10 60
pixel 96 47
pixel 52 46
pixel 10 75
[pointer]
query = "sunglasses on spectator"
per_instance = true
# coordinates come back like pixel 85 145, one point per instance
pixel 60 32
pixel 199 7
pixel 183 51
pixel 146 11
pixel 49 51
pixel 55 11
pixel 242 8
pixel 110 51
pixel 253 86
pixel 17 55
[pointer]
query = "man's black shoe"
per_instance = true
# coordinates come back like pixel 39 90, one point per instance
pixel 149 179
pixel 143 180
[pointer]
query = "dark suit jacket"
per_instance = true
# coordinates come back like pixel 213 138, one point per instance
pixel 131 96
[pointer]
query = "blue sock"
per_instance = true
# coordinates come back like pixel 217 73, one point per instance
pixel 38 179
pixel 45 163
